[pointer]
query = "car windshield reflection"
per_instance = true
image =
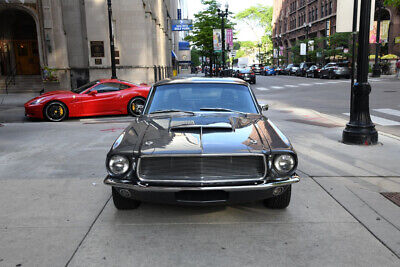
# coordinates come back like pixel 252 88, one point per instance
pixel 203 97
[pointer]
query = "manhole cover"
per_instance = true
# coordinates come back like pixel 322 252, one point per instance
pixel 392 196
pixel 316 123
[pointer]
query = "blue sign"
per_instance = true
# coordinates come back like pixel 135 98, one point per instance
pixel 182 25
pixel 184 45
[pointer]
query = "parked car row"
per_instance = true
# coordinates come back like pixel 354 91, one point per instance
pixel 331 70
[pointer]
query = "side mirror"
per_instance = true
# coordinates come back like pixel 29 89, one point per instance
pixel 93 93
pixel 264 107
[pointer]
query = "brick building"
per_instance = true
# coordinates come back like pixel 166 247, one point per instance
pixel 294 20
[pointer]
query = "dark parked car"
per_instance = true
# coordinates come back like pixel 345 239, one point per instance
pixel 280 70
pixel 201 141
pixel 286 70
pixel 335 70
pixel 293 69
pixel 248 75
pixel 257 68
pixel 313 71
pixel 304 66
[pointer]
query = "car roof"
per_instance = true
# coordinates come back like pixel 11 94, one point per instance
pixel 227 80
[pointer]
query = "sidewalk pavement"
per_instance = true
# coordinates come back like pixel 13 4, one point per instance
pixel 55 211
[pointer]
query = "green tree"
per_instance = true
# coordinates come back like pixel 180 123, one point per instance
pixel 195 57
pixel 395 3
pixel 204 23
pixel 259 16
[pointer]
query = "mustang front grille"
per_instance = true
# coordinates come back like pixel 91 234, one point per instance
pixel 201 168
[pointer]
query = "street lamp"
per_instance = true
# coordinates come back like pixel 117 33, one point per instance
pixel 307 27
pixel 111 35
pixel 279 39
pixel 360 129
pixel 376 72
pixel 223 15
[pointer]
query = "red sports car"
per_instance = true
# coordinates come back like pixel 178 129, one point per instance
pixel 101 97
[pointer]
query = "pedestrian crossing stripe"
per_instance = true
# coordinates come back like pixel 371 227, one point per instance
pixel 389 111
pixel 276 87
pixel 380 121
pixel 304 84
pixel 262 88
pixel 291 85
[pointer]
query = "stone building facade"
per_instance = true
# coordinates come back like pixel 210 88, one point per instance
pixel 72 39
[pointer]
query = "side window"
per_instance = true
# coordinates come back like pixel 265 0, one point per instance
pixel 123 86
pixel 106 88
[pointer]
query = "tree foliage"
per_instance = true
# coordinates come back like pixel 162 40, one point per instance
pixel 204 23
pixel 255 17
pixel 395 3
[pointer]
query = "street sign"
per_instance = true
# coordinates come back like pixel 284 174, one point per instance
pixel 233 53
pixel 344 15
pixel 182 25
pixel 397 40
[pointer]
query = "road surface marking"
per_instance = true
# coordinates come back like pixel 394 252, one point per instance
pixel 276 87
pixel 380 121
pixel 304 84
pixel 389 111
pixel 333 82
pixel 262 88
pixel 291 85
pixel 319 83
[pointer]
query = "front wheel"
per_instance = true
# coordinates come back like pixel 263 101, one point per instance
pixel 55 111
pixel 123 203
pixel 279 202
pixel 136 106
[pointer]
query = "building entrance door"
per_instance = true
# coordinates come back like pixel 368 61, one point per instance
pixel 27 57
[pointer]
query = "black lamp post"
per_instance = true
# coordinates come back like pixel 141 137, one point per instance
pixel 307 27
pixel 111 35
pixel 376 72
pixel 223 15
pixel 360 129
pixel 279 40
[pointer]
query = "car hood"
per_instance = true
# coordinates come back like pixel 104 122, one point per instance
pixel 203 133
pixel 50 95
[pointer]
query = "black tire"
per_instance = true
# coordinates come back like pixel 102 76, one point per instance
pixel 279 202
pixel 55 111
pixel 330 76
pixel 123 203
pixel 136 106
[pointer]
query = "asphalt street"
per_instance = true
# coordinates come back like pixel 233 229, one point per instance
pixel 55 211
pixel 333 97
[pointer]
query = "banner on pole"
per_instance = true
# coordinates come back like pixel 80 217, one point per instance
pixel 229 39
pixel 303 49
pixel 217 40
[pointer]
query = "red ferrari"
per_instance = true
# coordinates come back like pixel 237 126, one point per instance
pixel 101 97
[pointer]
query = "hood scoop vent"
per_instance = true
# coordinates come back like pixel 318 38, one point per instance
pixel 201 128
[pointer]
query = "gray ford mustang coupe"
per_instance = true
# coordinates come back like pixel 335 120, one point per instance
pixel 201 141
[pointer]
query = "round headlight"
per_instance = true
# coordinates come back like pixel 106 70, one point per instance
pixel 284 163
pixel 118 164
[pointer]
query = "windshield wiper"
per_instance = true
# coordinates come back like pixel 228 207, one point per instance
pixel 222 110
pixel 171 110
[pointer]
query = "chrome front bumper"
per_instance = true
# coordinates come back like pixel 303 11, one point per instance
pixel 127 184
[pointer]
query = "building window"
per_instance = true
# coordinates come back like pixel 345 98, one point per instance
pixel 330 7
pixel 316 13
pixel 322 10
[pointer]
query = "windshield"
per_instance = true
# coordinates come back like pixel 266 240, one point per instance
pixel 200 97
pixel 84 87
